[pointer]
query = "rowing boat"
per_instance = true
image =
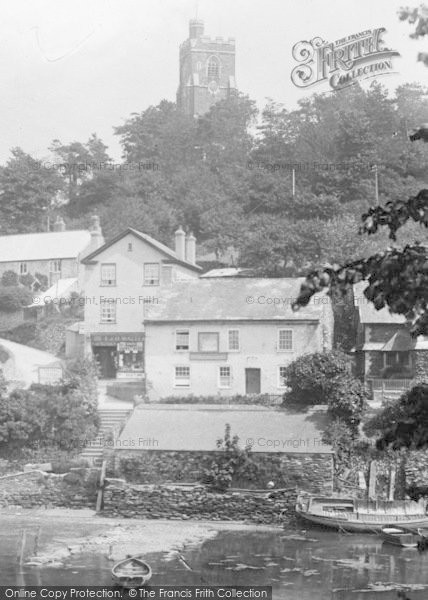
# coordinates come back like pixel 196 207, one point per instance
pixel 400 536
pixel 132 572
pixel 350 514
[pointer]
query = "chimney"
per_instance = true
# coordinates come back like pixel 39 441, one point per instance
pixel 97 238
pixel 59 224
pixel 180 244
pixel 191 248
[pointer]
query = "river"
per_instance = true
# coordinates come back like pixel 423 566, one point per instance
pixel 300 565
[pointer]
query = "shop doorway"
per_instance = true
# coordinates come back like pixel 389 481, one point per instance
pixel 105 357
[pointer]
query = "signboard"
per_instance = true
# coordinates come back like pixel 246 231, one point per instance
pixel 111 339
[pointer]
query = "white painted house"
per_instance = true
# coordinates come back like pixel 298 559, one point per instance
pixel 122 278
pixel 230 336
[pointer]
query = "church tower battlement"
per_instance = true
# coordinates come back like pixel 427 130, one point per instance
pixel 207 70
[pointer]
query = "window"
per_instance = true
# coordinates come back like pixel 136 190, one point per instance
pixel 233 339
pixel 208 342
pixel 23 269
pixel 55 266
pixel 151 273
pixel 285 339
pixel 225 377
pixel 396 359
pixel 182 339
pixel 130 247
pixel 108 312
pixel 213 68
pixel 108 274
pixel 182 377
pixel 282 379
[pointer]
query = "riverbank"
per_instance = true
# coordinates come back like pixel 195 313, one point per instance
pixel 86 532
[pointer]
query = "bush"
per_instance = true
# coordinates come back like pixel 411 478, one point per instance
pixel 13 298
pixel 27 280
pixel 326 378
pixel 220 474
pixel 9 278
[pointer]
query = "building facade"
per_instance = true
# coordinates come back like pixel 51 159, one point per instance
pixel 55 254
pixel 123 278
pixel 227 336
pixel 387 358
pixel 207 70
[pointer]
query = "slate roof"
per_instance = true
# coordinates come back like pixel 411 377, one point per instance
pixel 232 299
pixel 367 312
pixel 170 254
pixel 43 246
pixel 190 427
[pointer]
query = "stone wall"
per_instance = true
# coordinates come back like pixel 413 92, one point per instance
pixel 309 472
pixel 76 489
pixel 196 502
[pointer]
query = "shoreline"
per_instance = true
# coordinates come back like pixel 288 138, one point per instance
pixel 115 538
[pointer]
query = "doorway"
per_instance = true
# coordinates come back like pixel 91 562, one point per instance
pixel 252 381
pixel 105 357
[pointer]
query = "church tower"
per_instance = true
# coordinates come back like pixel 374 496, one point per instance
pixel 207 70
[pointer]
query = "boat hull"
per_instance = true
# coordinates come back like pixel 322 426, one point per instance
pixel 360 526
pixel 400 537
pixel 140 575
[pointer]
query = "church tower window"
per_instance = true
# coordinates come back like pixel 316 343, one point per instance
pixel 213 68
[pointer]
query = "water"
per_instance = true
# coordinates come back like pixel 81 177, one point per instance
pixel 311 565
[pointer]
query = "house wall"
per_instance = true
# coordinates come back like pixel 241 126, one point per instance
pixel 258 349
pixel 129 293
pixel 69 267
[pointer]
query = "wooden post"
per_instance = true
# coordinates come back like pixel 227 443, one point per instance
pixel 391 490
pixel 293 182
pixel 372 481
pixel 36 540
pixel 22 547
pixel 101 486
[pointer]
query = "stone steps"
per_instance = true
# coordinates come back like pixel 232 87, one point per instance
pixel 110 420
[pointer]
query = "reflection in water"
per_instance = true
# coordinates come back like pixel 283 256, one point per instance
pixel 316 564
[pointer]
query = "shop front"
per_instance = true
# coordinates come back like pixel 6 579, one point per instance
pixel 119 355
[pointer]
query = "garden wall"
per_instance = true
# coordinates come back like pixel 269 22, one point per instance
pixel 309 472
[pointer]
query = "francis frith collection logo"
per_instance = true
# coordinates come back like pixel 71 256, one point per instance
pixel 343 62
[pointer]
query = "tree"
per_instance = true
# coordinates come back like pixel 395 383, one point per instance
pixel 403 423
pixel 27 191
pixel 420 17
pixel 326 378
pixel 14 297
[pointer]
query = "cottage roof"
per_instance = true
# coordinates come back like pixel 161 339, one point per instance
pixel 233 299
pixel 190 427
pixel 43 246
pixel 368 313
pixel 170 254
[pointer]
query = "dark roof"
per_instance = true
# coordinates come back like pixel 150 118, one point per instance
pixel 170 254
pixel 190 427
pixel 214 299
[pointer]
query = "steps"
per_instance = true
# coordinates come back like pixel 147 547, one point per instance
pixel 111 419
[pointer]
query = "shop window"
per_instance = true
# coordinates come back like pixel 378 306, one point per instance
pixel 225 377
pixel 130 357
pixel 151 273
pixel 182 377
pixel 208 342
pixel 182 339
pixel 108 274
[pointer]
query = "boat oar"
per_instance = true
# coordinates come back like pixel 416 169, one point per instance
pixel 189 568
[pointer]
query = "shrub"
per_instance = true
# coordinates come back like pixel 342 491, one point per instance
pixel 9 278
pixel 27 280
pixel 13 298
pixel 225 464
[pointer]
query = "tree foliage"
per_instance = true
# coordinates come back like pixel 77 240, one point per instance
pixel 326 378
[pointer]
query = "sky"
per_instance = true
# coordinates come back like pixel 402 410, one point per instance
pixel 71 68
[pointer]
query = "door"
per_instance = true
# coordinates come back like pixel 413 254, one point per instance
pixel 252 381
pixel 105 359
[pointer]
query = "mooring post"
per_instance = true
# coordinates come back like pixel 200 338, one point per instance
pixel 101 487
pixel 22 547
pixel 36 540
